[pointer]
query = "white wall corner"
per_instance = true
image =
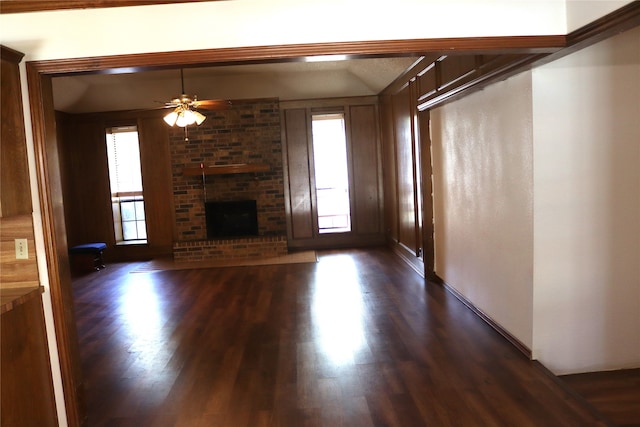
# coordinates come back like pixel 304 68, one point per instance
pixel 586 208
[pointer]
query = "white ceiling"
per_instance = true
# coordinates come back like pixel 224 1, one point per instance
pixel 287 81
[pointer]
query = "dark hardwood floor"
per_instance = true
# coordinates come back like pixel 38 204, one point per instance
pixel 616 394
pixel 357 339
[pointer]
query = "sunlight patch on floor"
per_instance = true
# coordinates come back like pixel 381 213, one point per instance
pixel 337 309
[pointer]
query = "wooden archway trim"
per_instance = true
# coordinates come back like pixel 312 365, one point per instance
pixel 297 52
pixel 54 230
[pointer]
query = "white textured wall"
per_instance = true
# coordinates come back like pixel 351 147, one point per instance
pixel 587 208
pixel 582 12
pixel 483 183
pixel 110 31
pixel 537 205
pixel 220 24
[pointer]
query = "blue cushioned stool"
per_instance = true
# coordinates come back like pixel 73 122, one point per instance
pixel 94 250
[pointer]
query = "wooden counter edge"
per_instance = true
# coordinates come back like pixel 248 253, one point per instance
pixel 10 298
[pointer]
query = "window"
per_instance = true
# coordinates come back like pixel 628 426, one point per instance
pixel 125 178
pixel 331 173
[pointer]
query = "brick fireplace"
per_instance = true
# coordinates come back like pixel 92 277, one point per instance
pixel 226 147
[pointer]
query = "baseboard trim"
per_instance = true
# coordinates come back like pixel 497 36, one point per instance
pixel 495 325
pixel 407 256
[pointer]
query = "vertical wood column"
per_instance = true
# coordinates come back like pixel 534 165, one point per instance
pixel 389 169
pixel 406 169
pixel 403 175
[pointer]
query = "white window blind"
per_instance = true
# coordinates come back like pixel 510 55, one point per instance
pixel 125 179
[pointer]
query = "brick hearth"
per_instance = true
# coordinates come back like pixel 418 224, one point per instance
pixel 231 249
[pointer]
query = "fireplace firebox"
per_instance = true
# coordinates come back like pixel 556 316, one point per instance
pixel 231 219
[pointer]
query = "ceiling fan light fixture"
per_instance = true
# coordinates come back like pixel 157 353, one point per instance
pixel 199 117
pixel 184 108
pixel 182 121
pixel 185 118
pixel 171 118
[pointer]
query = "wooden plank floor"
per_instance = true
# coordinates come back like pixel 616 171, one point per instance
pixel 616 394
pixel 356 339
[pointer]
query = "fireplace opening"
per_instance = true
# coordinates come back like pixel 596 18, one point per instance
pixel 231 219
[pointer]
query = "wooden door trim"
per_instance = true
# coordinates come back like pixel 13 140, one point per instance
pixel 53 248
pixel 416 170
pixel 424 125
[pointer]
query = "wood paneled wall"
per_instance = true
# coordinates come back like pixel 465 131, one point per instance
pixel 363 152
pixel 85 178
pixel 25 384
pixel 365 162
pixel 298 184
pixel 156 176
pixel 26 395
pixel 389 155
pixel 17 273
pixel 85 181
pixel 16 220
pixel 402 174
pixel 404 117
pixel 15 192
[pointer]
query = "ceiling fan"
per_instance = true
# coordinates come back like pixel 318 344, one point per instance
pixel 185 108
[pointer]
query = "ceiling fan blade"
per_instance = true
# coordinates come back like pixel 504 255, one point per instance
pixel 212 104
pixel 163 104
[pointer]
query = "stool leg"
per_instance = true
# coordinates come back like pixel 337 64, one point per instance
pixel 98 261
pixel 101 260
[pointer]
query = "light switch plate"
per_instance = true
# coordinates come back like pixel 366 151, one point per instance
pixel 22 251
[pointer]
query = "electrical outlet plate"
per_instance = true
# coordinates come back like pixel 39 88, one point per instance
pixel 22 251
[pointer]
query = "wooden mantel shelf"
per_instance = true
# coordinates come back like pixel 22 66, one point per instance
pixel 226 169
